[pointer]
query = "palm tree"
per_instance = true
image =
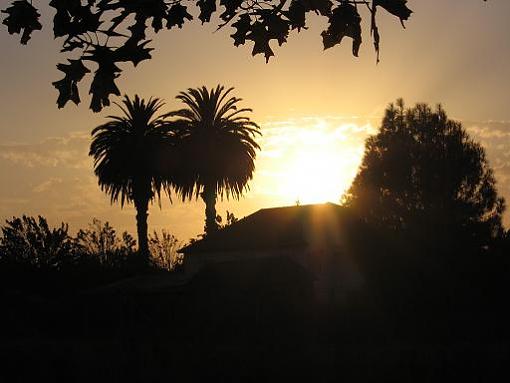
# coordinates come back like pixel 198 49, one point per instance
pixel 218 148
pixel 125 151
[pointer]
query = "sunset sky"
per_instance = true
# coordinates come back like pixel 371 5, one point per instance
pixel 315 108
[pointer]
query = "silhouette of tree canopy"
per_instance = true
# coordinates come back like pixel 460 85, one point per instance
pixel 32 242
pixel 106 33
pixel 423 173
pixel 101 240
pixel 217 148
pixel 126 151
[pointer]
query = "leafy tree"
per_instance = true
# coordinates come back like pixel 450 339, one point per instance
pixel 125 151
pixel 30 241
pixel 422 173
pixel 217 147
pixel 164 250
pixel 101 240
pixel 106 33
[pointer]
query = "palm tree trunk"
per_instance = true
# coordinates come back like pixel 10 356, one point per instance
pixel 142 208
pixel 209 197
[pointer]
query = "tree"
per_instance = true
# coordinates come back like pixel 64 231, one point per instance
pixel 29 241
pixel 107 33
pixel 126 153
pixel 422 173
pixel 102 242
pixel 164 250
pixel 217 147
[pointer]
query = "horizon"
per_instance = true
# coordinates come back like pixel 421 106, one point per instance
pixel 309 103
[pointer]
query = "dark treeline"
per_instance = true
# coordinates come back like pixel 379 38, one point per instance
pixel 419 312
pixel 427 238
pixel 37 257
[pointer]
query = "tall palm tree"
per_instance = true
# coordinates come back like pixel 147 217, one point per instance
pixel 125 151
pixel 217 145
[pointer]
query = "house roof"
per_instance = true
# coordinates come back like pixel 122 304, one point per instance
pixel 277 228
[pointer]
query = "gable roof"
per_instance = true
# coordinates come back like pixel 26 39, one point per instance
pixel 277 228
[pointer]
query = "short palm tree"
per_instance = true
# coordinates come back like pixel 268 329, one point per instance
pixel 125 151
pixel 217 145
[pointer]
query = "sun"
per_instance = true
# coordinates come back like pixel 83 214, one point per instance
pixel 314 168
pixel 309 160
pixel 310 178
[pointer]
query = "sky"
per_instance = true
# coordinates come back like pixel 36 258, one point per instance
pixel 315 108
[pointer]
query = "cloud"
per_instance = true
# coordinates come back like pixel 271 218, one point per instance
pixel 69 151
pixel 54 177
pixel 47 185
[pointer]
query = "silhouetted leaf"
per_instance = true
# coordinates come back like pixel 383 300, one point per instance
pixel 137 30
pixel 261 37
pixel 375 33
pixel 72 45
pixel 177 15
pixel 103 83
pixel 207 8
pixel 322 7
pixel 73 19
pixel 276 27
pixel 67 87
pixel 242 25
pixel 296 15
pixel 395 7
pixel 231 7
pixel 344 21
pixel 133 53
pixel 111 33
pixel 22 16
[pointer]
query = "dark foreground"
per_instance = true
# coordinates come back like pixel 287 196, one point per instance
pixel 420 321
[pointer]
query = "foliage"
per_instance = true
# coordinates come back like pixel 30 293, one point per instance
pixel 423 173
pixel 128 152
pixel 106 33
pixel 102 241
pixel 164 250
pixel 231 219
pixel 32 242
pixel 216 145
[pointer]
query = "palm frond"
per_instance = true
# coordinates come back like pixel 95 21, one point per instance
pixel 124 150
pixel 217 143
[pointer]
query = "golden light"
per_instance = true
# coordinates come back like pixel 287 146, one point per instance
pixel 311 161
pixel 310 177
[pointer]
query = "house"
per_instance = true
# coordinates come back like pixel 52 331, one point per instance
pixel 315 238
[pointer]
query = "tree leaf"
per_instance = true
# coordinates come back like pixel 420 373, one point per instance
pixel 22 16
pixel 71 45
pixel 261 37
pixel 344 21
pixel 67 87
pixel 243 26
pixel 231 7
pixel 296 15
pixel 395 7
pixel 207 8
pixel 73 19
pixel 277 27
pixel 177 15
pixel 322 7
pixel 134 53
pixel 103 83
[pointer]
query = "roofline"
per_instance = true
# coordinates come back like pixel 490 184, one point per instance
pixel 183 249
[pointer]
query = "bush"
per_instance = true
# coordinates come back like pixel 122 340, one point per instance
pixel 164 250
pixel 29 241
pixel 100 241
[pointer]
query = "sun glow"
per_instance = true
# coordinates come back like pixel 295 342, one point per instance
pixel 310 177
pixel 311 161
